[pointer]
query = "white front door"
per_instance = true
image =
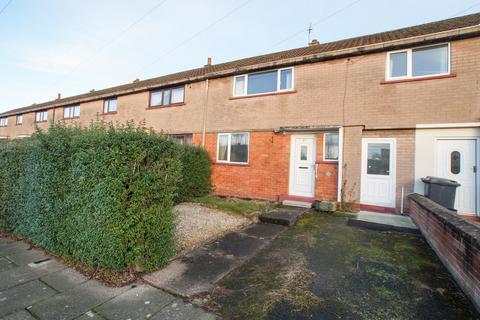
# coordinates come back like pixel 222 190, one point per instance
pixel 456 160
pixel 302 166
pixel 378 172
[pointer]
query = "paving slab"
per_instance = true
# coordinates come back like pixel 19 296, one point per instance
pixel 140 302
pixel 90 315
pixel 285 216
pixel 24 257
pixel 179 310
pixel 16 276
pixel 24 295
pixel 64 280
pixel 6 264
pixel 384 222
pixel 19 315
pixel 199 270
pixel 74 303
pixel 12 247
pixel 264 230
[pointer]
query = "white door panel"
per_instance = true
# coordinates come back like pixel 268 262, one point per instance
pixel 302 166
pixel 455 160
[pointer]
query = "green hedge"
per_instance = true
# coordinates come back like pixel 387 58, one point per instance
pixel 101 195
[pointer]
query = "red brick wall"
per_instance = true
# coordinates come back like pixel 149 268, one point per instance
pixel 267 174
pixel 455 241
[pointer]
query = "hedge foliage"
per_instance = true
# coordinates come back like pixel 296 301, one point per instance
pixel 102 195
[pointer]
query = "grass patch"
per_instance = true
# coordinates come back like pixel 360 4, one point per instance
pixel 248 208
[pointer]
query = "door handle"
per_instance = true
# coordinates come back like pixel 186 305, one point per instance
pixel 303 167
pixel 475 169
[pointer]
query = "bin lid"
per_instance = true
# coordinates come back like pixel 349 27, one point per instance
pixel 441 181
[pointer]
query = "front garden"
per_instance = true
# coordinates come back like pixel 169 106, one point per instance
pixel 101 195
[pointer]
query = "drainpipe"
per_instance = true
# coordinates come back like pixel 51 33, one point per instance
pixel 340 164
pixel 205 108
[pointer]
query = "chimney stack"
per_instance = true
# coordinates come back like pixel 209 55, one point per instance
pixel 314 42
pixel 59 96
pixel 209 62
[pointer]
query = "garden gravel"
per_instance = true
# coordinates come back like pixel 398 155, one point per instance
pixel 197 225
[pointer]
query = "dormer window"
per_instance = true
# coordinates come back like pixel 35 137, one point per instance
pixel 419 62
pixel 263 82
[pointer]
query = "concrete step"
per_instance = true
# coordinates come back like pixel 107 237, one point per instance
pixel 295 203
pixel 384 222
pixel 285 216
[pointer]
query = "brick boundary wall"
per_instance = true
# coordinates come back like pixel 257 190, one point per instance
pixel 455 240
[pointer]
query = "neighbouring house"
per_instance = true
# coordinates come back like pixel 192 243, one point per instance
pixel 359 120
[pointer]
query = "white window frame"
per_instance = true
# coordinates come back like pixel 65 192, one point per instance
pixel 410 62
pixel 245 85
pixel 325 143
pixel 4 122
pixel 106 105
pixel 229 146
pixel 43 116
pixel 19 116
pixel 71 111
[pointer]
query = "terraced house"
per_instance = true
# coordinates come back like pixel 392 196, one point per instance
pixel 359 120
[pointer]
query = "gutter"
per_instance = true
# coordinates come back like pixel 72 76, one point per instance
pixel 456 34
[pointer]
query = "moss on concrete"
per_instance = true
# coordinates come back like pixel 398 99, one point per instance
pixel 324 269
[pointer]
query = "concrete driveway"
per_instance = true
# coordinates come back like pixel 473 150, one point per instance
pixel 34 286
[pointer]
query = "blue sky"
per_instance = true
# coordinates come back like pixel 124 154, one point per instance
pixel 71 47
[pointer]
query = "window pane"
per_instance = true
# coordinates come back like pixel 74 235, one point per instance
pixel 76 111
pixel 66 112
pixel 239 147
pixel 286 79
pixel 20 119
pixel 156 98
pixel 177 95
pixel 222 147
pixel 166 97
pixel 379 159
pixel 430 61
pixel 331 146
pixel 240 86
pixel 110 105
pixel 455 162
pixel 262 82
pixel 398 64
pixel 303 153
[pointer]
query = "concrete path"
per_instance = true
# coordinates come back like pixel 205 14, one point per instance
pixel 32 286
pixel 199 270
pixel 384 222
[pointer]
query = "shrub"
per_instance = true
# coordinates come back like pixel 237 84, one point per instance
pixel 196 173
pixel 101 195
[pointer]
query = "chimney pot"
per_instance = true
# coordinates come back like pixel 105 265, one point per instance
pixel 314 42
pixel 59 96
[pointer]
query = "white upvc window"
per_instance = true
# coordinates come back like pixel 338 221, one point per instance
pixel 4 122
pixel 330 146
pixel 19 119
pixel 264 82
pixel 110 105
pixel 233 147
pixel 419 62
pixel 71 112
pixel 41 116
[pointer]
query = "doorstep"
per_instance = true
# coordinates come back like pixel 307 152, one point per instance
pixel 285 216
pixel 384 222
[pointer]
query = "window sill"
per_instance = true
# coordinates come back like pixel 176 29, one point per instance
pixel 108 113
pixel 19 124
pixel 231 164
pixel 452 75
pixel 43 121
pixel 71 118
pixel 165 107
pixel 264 95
